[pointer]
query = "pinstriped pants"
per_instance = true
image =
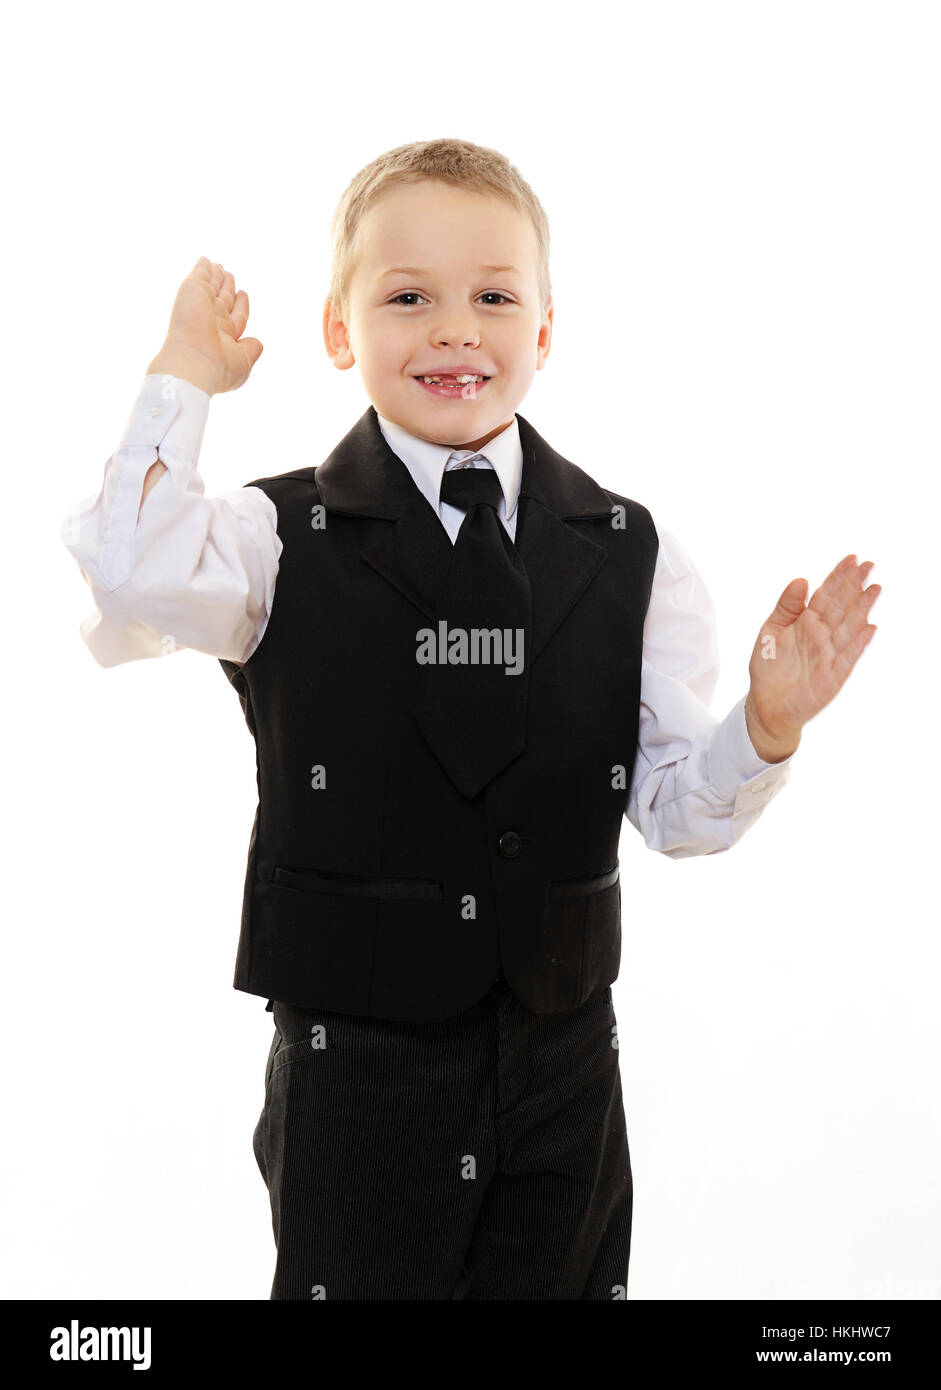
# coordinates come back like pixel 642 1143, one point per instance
pixel 484 1156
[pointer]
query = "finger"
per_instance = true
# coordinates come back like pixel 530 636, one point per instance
pixel 226 291
pixel 790 604
pixel 838 591
pixel 851 653
pixel 216 276
pixel 203 267
pixel 825 595
pixel 234 321
pixel 239 313
pixel 855 619
pixel 847 595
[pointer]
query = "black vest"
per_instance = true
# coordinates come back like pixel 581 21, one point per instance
pixel 374 887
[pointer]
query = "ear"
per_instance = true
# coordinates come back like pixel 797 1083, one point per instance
pixel 335 338
pixel 544 340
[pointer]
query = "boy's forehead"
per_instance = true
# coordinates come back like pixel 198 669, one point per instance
pixel 424 224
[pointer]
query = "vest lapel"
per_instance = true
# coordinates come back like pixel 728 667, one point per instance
pixel 363 477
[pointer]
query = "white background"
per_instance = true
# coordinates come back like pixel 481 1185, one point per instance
pixel 745 220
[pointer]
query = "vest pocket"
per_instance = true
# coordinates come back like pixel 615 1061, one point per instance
pixel 348 886
pixel 582 887
pixel 582 935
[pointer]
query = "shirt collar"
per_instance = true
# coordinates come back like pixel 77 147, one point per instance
pixel 426 461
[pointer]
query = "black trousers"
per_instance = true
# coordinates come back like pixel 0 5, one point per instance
pixel 481 1157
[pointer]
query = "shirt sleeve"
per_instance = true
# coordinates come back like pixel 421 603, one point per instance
pixel 190 571
pixel 698 783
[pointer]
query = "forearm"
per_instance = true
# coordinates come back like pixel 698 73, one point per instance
pixel 154 474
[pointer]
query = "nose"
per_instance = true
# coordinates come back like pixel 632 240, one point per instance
pixel 450 335
pixel 450 340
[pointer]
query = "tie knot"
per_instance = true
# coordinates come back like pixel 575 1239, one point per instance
pixel 464 487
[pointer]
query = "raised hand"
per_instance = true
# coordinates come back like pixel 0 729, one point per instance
pixel 204 342
pixel 804 655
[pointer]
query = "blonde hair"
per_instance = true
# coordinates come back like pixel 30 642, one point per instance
pixel 457 162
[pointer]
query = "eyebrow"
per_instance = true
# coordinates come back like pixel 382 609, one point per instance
pixel 417 270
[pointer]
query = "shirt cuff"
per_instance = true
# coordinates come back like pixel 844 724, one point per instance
pixel 169 411
pixel 735 770
pixel 172 413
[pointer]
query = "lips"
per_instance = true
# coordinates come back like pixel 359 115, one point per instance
pixel 453 386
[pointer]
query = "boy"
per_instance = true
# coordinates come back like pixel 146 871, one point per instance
pixel 463 662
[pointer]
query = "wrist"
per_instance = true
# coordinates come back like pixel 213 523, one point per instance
pixel 176 359
pixel 772 746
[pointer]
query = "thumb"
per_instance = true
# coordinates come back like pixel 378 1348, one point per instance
pixel 791 604
pixel 252 349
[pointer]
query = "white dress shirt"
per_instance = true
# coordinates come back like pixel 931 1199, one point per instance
pixel 199 572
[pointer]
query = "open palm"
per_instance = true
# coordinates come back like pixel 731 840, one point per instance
pixel 804 655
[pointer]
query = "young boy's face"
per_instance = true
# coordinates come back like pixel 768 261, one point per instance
pixel 444 281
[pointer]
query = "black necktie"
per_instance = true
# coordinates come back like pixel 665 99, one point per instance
pixel 472 708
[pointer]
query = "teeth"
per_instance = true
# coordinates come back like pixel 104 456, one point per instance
pixel 459 380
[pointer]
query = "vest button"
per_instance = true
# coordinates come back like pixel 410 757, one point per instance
pixel 510 844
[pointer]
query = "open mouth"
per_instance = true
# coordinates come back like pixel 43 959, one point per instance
pixel 466 386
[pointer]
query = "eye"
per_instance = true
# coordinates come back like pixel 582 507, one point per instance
pixel 492 295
